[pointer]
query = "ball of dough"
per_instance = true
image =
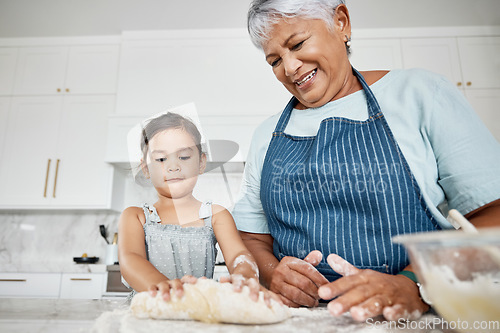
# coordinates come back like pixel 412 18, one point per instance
pixel 210 301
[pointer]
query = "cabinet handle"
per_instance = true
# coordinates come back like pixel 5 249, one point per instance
pixel 55 178
pixel 12 280
pixel 46 179
pixel 67 89
pixel 58 89
pixel 469 84
pixel 459 84
pixel 80 279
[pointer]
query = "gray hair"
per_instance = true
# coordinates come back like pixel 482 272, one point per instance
pixel 264 13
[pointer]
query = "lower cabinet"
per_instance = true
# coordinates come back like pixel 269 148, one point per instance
pixel 39 285
pixel 83 286
pixel 52 285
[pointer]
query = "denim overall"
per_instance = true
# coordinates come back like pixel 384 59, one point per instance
pixel 348 191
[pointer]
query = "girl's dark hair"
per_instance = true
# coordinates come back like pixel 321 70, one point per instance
pixel 167 121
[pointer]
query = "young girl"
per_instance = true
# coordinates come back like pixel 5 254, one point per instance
pixel 175 238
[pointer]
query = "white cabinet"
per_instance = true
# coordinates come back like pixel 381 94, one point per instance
pixel 81 69
pixel 480 61
pixel 83 286
pixel 53 285
pixel 486 104
pixel 83 179
pixel 438 55
pixel 42 285
pixel 54 157
pixel 8 61
pixel 28 163
pixel 471 62
pixel 372 54
pixel 4 116
pixel 220 71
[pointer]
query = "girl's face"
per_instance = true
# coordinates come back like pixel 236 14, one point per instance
pixel 174 163
pixel 309 59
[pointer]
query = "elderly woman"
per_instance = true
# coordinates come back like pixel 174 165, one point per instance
pixel 354 159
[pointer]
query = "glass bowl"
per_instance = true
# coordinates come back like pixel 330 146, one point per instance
pixel 460 275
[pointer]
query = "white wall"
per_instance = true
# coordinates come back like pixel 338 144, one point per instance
pixel 33 18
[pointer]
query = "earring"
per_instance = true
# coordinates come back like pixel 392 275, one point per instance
pixel 348 42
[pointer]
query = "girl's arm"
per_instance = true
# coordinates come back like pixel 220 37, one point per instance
pixel 139 273
pixel 239 260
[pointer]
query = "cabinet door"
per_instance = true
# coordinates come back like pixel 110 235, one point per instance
pixel 92 69
pixel 82 286
pixel 30 285
pixel 438 55
pixel 83 178
pixel 480 61
pixel 376 54
pixel 4 117
pixel 41 70
pixel 485 102
pixel 8 61
pixel 222 76
pixel 26 172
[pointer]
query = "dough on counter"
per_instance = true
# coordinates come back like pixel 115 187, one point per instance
pixel 210 301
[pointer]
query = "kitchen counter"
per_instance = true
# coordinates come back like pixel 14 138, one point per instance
pixel 112 316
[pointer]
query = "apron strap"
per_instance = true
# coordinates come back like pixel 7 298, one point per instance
pixel 371 101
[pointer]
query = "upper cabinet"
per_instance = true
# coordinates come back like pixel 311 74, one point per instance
pixel 480 61
pixel 372 54
pixel 8 61
pixel 80 69
pixel 470 62
pixel 55 154
pixel 221 71
pixel 57 97
pixel 4 117
pixel 438 55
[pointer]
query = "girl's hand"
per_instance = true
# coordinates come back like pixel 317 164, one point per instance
pixel 253 285
pixel 367 293
pixel 168 286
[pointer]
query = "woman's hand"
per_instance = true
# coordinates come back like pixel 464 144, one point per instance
pixel 367 293
pixel 168 286
pixel 297 281
pixel 253 285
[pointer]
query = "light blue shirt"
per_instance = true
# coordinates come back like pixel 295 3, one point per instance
pixel 453 156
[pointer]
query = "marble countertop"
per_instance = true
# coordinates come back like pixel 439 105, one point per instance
pixel 67 267
pixel 112 315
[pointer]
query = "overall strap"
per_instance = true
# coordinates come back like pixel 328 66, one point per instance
pixel 206 213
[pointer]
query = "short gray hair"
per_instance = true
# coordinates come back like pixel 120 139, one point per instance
pixel 264 13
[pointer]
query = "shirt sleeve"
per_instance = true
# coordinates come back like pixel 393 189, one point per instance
pixel 467 154
pixel 248 213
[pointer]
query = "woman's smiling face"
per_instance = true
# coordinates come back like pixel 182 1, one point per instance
pixel 309 59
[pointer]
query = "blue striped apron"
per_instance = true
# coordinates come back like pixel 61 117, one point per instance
pixel 347 190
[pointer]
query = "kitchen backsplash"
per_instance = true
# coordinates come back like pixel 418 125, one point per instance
pixel 47 241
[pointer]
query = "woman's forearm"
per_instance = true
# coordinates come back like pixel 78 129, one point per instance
pixel 261 247
pixel 486 216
